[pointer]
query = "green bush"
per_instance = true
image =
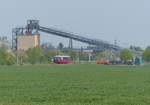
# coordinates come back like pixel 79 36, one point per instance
pixel 7 58
pixel 49 55
pixel 126 55
pixel 34 54
pixel 146 55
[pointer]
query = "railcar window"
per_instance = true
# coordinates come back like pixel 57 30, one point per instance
pixel 66 58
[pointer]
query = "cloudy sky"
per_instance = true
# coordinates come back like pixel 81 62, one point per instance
pixel 127 21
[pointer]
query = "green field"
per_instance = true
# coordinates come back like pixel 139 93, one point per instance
pixel 75 85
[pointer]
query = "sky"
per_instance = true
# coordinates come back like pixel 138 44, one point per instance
pixel 127 21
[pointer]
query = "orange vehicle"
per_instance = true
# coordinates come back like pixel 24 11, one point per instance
pixel 102 61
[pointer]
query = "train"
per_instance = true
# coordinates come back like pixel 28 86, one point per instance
pixel 62 59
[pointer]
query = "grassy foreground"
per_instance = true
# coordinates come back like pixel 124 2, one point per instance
pixel 75 85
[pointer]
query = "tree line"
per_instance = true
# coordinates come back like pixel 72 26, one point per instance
pixel 40 55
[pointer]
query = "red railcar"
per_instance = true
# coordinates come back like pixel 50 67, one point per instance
pixel 62 59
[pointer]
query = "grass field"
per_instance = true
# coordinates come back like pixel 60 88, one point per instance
pixel 75 85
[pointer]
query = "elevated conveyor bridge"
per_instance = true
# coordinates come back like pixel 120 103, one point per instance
pixel 33 27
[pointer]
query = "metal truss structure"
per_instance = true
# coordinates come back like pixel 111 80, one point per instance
pixel 33 27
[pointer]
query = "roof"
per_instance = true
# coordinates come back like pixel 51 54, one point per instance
pixel 61 56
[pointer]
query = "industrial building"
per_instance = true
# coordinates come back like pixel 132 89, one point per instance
pixel 24 42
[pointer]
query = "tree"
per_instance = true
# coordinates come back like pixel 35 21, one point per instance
pixel 34 54
pixel 131 47
pixel 107 54
pixel 126 55
pixel 99 55
pixel 60 46
pixel 148 47
pixel 73 55
pixel 146 55
pixel 83 57
pixel 4 43
pixel 7 58
pixel 11 59
pixel 47 46
pixel 49 55
pixel 136 48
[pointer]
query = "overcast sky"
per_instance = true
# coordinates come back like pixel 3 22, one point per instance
pixel 127 21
